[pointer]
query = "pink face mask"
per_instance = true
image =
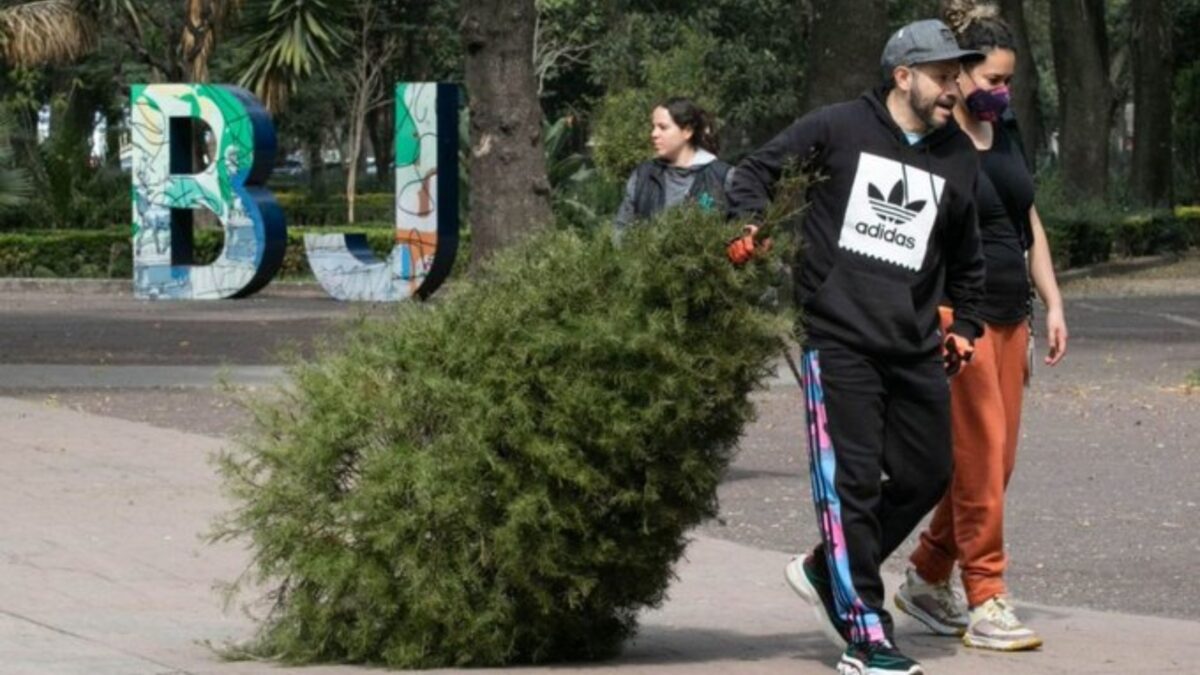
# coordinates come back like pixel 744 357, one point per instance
pixel 988 106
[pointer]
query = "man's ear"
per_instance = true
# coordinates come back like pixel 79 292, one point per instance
pixel 902 76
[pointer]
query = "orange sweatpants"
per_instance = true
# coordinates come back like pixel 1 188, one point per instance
pixel 985 414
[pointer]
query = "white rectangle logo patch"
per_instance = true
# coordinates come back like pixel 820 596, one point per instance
pixel 891 211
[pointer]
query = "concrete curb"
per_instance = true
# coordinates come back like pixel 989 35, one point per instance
pixel 286 289
pixel 65 377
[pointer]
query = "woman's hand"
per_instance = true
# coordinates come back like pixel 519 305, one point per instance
pixel 1056 336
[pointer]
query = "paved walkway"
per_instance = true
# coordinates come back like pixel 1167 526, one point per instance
pixel 102 572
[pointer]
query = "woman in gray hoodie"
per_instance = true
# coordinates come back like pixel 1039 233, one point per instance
pixel 685 165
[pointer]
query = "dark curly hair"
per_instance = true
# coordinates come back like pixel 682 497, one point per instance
pixel 687 115
pixel 978 26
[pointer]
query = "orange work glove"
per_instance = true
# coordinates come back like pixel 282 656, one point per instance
pixel 743 247
pixel 957 351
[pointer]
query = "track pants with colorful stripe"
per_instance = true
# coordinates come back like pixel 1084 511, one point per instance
pixel 880 459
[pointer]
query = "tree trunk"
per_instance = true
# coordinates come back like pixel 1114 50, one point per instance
pixel 1081 68
pixel 509 189
pixel 356 135
pixel 316 167
pixel 358 120
pixel 381 129
pixel 841 67
pixel 1025 84
pixel 198 38
pixel 1152 79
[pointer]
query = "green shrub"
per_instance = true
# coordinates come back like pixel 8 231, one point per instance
pixel 1076 241
pixel 1079 232
pixel 66 253
pixel 71 191
pixel 14 183
pixel 1153 233
pixel 622 128
pixel 306 209
pixel 587 204
pixel 507 475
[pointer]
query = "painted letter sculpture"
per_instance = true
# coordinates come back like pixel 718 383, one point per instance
pixel 426 208
pixel 166 191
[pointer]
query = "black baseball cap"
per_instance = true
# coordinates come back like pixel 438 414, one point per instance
pixel 923 42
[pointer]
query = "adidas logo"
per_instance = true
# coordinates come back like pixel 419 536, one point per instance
pixel 895 228
pixel 893 209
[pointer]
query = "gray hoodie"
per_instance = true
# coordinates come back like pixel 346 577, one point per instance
pixel 678 183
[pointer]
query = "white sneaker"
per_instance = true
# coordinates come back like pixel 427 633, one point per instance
pixel 994 625
pixel 935 605
pixel 815 590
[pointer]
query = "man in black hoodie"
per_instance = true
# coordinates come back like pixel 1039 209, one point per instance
pixel 890 232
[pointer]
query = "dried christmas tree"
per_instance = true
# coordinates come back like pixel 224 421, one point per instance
pixel 509 474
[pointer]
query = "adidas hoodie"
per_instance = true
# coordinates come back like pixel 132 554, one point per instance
pixel 890 231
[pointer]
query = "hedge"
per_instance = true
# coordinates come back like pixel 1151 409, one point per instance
pixel 1078 239
pixel 304 209
pixel 108 253
pixel 1087 237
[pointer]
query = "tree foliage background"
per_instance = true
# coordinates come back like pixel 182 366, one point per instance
pixel 600 66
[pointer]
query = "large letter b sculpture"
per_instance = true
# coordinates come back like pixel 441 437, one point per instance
pixel 166 192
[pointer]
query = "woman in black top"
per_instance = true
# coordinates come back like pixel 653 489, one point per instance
pixel 967 526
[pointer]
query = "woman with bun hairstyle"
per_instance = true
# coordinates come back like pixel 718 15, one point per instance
pixel 967 527
pixel 685 165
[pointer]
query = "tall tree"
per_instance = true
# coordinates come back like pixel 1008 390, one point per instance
pixel 1025 82
pixel 1152 80
pixel 845 40
pixel 1085 95
pixel 510 193
pixel 374 47
pixel 200 23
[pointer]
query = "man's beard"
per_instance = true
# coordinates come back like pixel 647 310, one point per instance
pixel 925 109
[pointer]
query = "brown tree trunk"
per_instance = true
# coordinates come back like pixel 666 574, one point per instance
pixel 510 194
pixel 356 136
pixel 368 91
pixel 199 26
pixel 316 167
pixel 1085 96
pixel 382 132
pixel 1152 79
pixel 845 39
pixel 1025 83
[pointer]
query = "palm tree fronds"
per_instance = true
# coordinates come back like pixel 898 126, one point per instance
pixel 15 187
pixel 46 31
pixel 294 39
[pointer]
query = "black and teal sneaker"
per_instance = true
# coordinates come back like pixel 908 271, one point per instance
pixel 808 577
pixel 877 658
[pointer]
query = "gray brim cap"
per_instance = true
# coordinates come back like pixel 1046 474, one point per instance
pixel 923 42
